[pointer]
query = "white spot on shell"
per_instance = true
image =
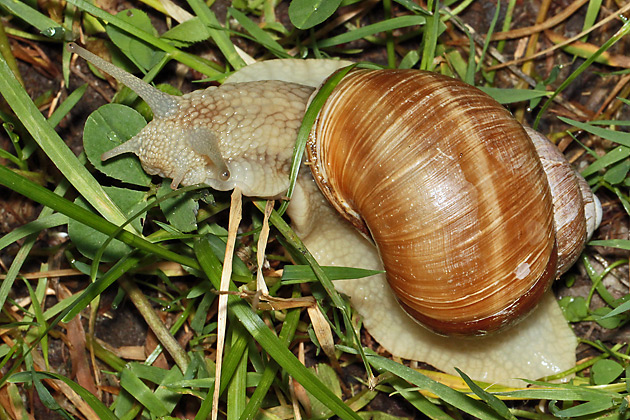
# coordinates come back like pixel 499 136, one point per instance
pixel 522 271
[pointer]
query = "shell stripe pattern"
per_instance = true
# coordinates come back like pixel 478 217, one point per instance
pixel 464 229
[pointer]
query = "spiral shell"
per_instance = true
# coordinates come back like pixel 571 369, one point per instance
pixel 451 190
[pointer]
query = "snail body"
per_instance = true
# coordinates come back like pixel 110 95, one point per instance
pixel 466 257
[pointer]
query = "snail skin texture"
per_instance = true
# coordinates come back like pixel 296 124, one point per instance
pixel 243 132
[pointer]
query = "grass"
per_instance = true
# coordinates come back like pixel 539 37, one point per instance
pixel 262 373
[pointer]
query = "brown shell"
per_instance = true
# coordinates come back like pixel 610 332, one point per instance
pixel 568 201
pixel 451 190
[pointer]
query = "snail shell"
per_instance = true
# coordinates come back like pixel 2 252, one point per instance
pixel 452 191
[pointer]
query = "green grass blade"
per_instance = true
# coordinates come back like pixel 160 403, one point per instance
pixel 430 38
pixel 615 155
pixel 623 31
pixel 289 326
pixel 35 226
pixel 594 7
pixel 99 408
pixel 41 195
pixel 493 402
pixel 54 146
pixel 219 35
pixel 32 16
pixel 304 273
pixel 620 137
pixel 204 66
pixel 67 105
pixel 305 129
pixel 141 392
pixel 507 96
pixel 261 37
pixel 419 401
pixel 237 397
pixel 26 247
pixel 613 243
pixel 272 344
pixel 448 395
pixel 388 25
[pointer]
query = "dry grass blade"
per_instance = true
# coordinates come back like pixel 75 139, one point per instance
pixel 72 396
pixel 235 219
pixel 547 24
pixel 298 393
pixel 324 334
pixel 67 272
pixel 615 15
pixel 261 286
pixel 587 49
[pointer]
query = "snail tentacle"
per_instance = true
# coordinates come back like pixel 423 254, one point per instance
pixel 205 143
pixel 162 104
pixel 132 145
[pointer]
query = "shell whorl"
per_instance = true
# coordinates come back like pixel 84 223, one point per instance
pixel 463 209
pixel 577 211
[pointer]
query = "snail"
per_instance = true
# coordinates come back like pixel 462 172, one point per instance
pixel 473 216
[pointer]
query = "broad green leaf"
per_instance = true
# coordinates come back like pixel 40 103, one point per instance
pixel 89 241
pixel 305 14
pixel 187 33
pixel 609 322
pixel 329 377
pixel 142 54
pixel 180 211
pixel 108 127
pixel 574 308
